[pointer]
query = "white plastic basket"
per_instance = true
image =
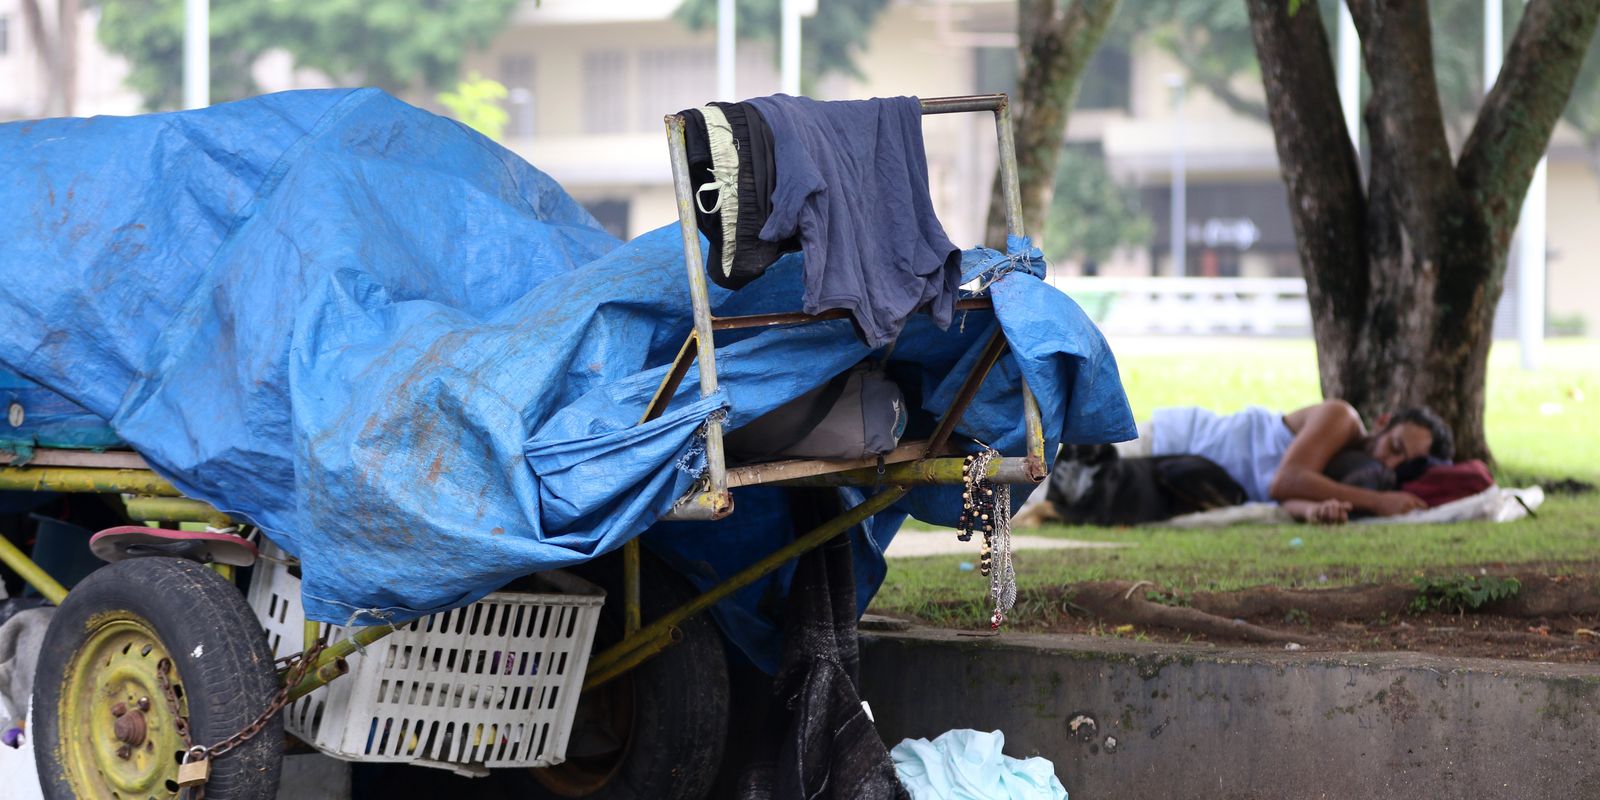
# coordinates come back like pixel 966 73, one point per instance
pixel 494 684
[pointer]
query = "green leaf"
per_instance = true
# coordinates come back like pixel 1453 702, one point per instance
pixel 476 103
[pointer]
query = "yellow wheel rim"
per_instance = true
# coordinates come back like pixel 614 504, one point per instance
pixel 119 739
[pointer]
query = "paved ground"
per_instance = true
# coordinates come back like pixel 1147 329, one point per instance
pixel 912 544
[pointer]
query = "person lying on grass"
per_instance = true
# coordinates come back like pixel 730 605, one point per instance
pixel 1323 431
pixel 1318 462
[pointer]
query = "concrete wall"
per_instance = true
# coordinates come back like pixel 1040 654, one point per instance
pixel 1131 720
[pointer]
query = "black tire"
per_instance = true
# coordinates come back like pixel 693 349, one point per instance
pixel 670 714
pixel 223 672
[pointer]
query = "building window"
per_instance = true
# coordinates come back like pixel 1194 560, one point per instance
pixel 5 35
pixel 996 69
pixel 1107 81
pixel 605 91
pixel 1225 221
pixel 516 72
pixel 673 80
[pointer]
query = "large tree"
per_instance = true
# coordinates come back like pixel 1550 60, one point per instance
pixel 1056 39
pixel 393 44
pixel 1212 41
pixel 1404 271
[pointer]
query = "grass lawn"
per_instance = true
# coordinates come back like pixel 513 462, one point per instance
pixel 1542 425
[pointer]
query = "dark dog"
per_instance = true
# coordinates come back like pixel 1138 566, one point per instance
pixel 1092 485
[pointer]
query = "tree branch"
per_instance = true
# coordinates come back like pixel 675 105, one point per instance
pixel 1321 171
pixel 1521 112
pixel 1217 84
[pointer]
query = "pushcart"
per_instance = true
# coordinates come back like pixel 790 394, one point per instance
pixel 607 682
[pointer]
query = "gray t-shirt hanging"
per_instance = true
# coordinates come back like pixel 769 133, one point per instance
pixel 853 183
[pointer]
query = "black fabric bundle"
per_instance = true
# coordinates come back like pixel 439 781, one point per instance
pixel 758 176
pixel 819 743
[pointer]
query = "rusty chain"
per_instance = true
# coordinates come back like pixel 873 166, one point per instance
pixel 296 671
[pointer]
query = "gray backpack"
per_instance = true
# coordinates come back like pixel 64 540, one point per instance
pixel 859 413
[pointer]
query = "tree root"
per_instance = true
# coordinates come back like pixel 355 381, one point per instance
pixel 1121 602
pixel 1222 614
pixel 1355 602
pixel 1544 596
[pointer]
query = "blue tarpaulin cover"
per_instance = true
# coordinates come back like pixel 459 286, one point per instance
pixel 418 364
pixel 37 417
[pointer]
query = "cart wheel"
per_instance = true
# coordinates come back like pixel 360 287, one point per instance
pixel 658 731
pixel 104 727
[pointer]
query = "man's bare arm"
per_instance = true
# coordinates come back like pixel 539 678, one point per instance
pixel 1321 432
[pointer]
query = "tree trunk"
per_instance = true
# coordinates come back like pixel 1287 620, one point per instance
pixel 67 55
pixel 1056 39
pixel 1425 341
pixel 45 48
pixel 1403 278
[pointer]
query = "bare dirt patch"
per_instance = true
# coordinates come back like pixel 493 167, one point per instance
pixel 1549 618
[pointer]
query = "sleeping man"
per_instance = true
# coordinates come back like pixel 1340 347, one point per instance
pixel 1317 462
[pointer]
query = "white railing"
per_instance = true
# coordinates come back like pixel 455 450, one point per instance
pixel 1249 306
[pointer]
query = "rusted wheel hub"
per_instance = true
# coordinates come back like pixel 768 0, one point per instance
pixel 130 728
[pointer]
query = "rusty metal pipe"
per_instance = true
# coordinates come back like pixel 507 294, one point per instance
pixel 32 574
pixel 702 507
pixel 175 509
pixel 970 102
pixel 641 654
pixel 919 473
pixel 878 502
pixel 85 479
pixel 699 296
pixel 318 678
pixel 969 389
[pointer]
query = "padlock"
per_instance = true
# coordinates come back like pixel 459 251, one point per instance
pixel 195 769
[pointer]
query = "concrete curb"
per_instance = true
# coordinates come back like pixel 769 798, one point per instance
pixel 1136 720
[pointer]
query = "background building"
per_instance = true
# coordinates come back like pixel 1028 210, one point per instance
pixel 589 83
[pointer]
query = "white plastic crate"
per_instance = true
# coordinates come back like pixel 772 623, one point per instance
pixel 494 684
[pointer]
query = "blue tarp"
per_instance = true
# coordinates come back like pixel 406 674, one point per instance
pixel 418 364
pixel 37 417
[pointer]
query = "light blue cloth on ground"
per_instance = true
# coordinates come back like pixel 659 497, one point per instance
pixel 968 765
pixel 1248 445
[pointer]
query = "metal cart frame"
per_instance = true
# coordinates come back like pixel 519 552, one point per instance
pixel 148 496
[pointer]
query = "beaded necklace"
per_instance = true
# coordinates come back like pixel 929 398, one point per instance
pixel 986 508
